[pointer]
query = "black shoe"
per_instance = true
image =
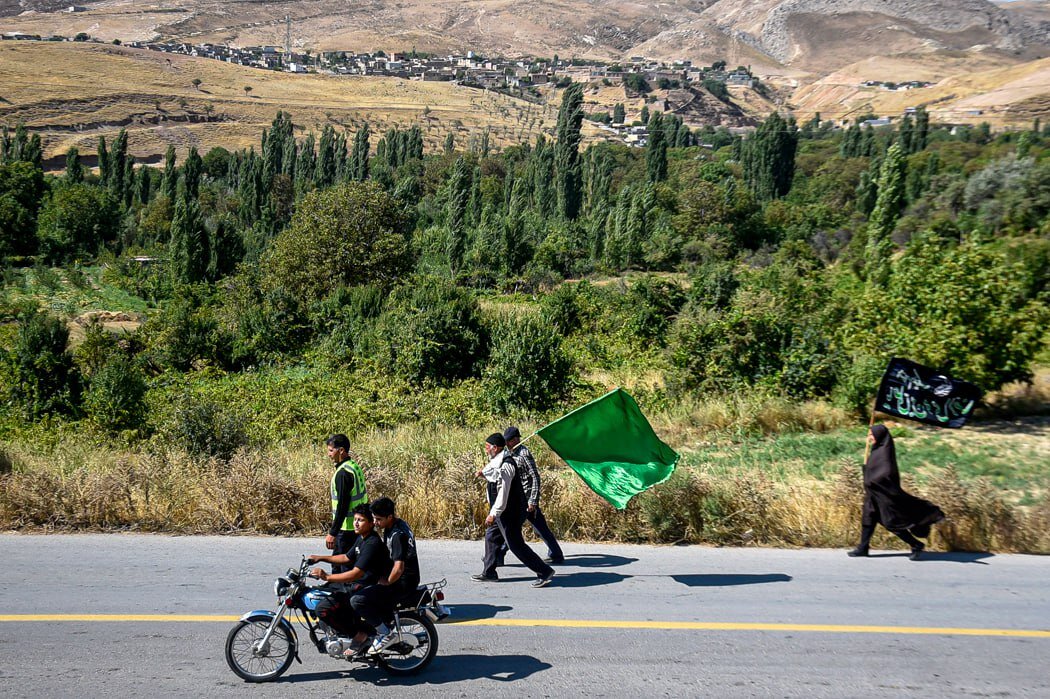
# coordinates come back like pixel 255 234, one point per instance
pixel 916 553
pixel 858 553
pixel 543 580
pixel 481 577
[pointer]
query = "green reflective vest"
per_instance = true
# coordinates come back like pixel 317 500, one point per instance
pixel 357 496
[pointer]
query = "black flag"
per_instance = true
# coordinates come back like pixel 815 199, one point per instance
pixel 915 392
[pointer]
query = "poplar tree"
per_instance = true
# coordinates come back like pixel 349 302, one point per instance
pixel 190 256
pixel 144 185
pixel 567 151
pixel 103 162
pixel 171 175
pixel 619 114
pixel 458 194
pixel 325 172
pixel 769 158
pixel 74 168
pixel 117 170
pixel 359 157
pixel 656 149
pixel 191 172
pixel 884 216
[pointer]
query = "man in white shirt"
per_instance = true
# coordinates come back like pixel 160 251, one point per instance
pixel 506 515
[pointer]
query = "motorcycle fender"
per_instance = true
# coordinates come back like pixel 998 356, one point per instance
pixel 259 614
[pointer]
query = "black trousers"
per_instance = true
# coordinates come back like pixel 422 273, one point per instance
pixel 344 541
pixel 507 530
pixel 336 611
pixel 374 604
pixel 539 525
pixel 867 530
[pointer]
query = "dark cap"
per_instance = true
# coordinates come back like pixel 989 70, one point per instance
pixel 511 433
pixel 496 440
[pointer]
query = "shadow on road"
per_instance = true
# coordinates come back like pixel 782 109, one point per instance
pixel 576 579
pixel 444 670
pixel 597 560
pixel 957 556
pixel 468 612
pixel 725 580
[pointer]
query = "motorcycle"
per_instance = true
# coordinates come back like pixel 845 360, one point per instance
pixel 261 647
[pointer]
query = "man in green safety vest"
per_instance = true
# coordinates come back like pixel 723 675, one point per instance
pixel 348 491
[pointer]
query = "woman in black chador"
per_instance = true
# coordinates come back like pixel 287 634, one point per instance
pixel 887 504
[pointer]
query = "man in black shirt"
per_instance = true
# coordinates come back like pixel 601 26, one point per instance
pixel 365 564
pixel 404 573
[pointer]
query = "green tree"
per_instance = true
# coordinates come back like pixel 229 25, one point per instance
pixel 567 151
pixel 458 195
pixel 189 249
pixel 21 189
pixel 359 155
pixel 171 174
pixel 888 207
pixel 355 233
pixel 769 158
pixel 656 150
pixel 76 220
pixel 192 170
pixel 74 168
pixel 619 114
pixel 964 309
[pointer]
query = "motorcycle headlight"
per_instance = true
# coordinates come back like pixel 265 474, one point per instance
pixel 280 586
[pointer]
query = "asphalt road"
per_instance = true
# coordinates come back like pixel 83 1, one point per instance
pixel 618 621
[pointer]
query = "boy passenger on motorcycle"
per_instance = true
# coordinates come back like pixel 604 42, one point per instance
pixel 404 575
pixel 366 563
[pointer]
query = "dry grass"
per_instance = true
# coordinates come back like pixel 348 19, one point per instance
pixel 430 472
pixel 73 93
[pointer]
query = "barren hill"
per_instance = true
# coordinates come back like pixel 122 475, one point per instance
pixel 816 36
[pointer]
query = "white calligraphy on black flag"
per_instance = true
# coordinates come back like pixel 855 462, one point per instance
pixel 915 392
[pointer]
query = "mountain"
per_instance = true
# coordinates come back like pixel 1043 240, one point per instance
pixel 804 35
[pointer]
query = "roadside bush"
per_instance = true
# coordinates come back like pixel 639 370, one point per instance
pixel 115 399
pixel 528 368
pixel 205 429
pixel 45 379
pixel 431 330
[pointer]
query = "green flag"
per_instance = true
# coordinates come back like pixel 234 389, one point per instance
pixel 612 447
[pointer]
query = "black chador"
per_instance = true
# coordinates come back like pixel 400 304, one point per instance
pixel 886 503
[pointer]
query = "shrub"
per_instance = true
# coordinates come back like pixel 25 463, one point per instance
pixel 115 397
pixel 528 368
pixel 45 380
pixel 184 333
pixel 652 304
pixel 431 330
pixel 204 429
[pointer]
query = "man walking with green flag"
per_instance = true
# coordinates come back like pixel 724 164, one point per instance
pixel 506 515
pixel 612 447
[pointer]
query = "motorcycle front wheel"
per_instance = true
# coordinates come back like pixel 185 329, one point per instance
pixel 254 663
pixel 417 648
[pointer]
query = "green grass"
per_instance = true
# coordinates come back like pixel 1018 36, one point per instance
pixel 1012 455
pixel 68 292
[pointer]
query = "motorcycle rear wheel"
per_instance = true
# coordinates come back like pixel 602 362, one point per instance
pixel 250 665
pixel 409 661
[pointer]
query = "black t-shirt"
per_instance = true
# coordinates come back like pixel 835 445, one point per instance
pixel 402 544
pixel 370 554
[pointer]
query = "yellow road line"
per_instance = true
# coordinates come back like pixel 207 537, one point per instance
pixel 578 624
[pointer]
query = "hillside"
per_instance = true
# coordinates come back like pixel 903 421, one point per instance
pixel 1003 95
pixel 812 36
pixel 73 93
